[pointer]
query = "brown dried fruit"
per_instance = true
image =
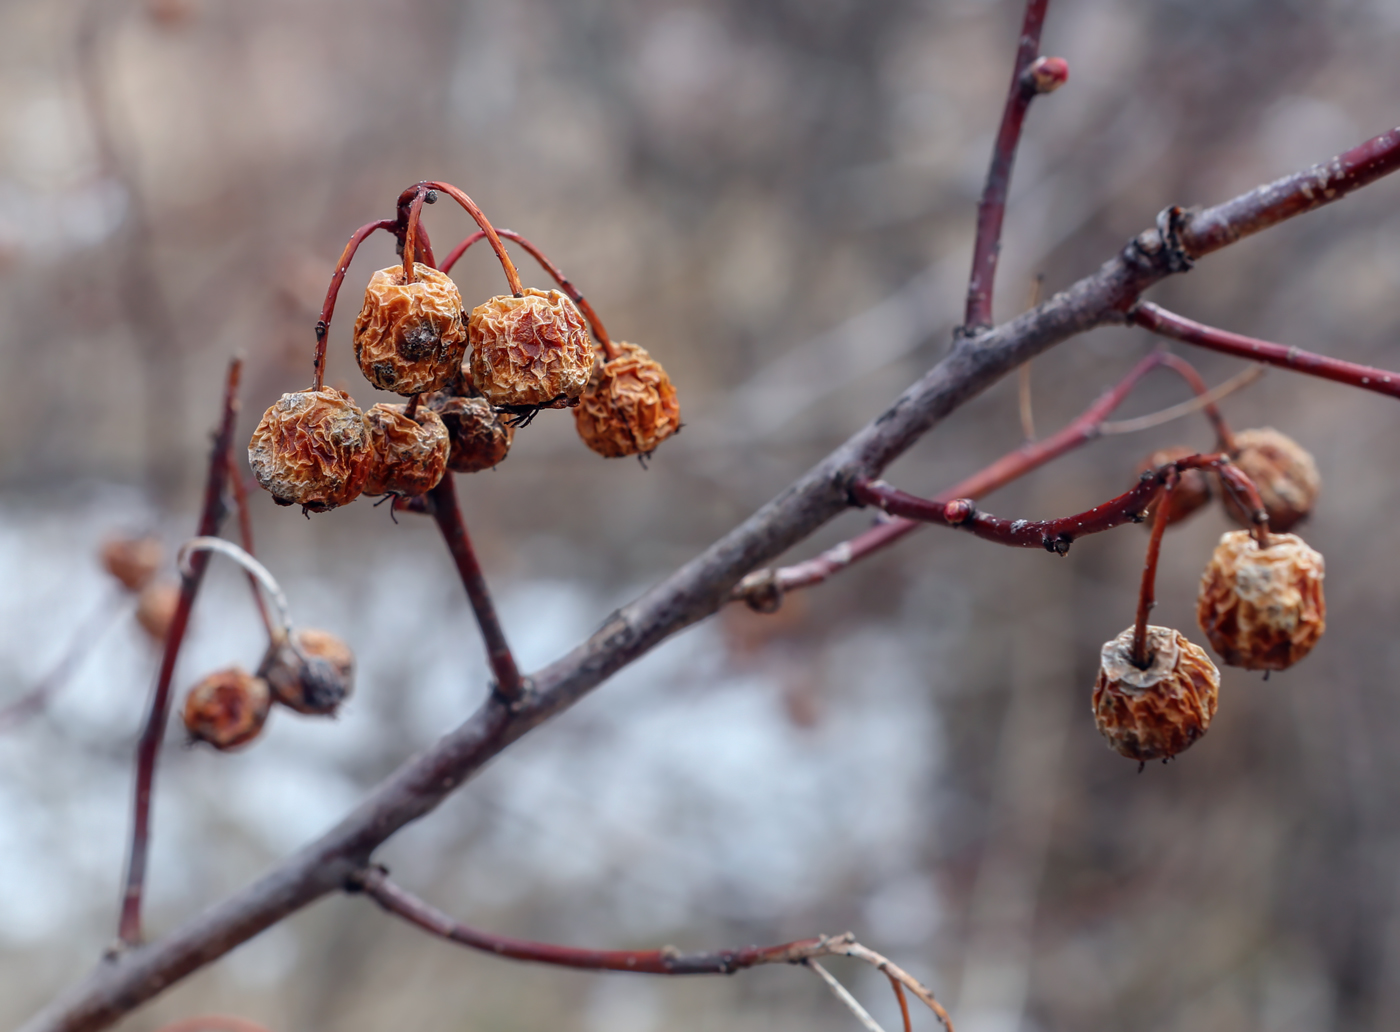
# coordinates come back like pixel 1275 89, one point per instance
pixel 629 405
pixel 480 439
pixel 155 609
pixel 1283 472
pixel 529 352
pixel 1158 712
pixel 407 456
pixel 1262 608
pixel 311 449
pixel 133 561
pixel 409 337
pixel 316 681
pixel 1192 488
pixel 227 708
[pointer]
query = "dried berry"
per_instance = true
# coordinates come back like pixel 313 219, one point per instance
pixel 629 405
pixel 409 337
pixel 311 449
pixel 133 561
pixel 1284 474
pixel 155 609
pixel 1157 712
pixel 480 439
pixel 530 351
pixel 407 456
pixel 227 708
pixel 315 681
pixel 1262 608
pixel 1192 488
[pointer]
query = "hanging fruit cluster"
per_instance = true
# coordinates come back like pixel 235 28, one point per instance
pixel 471 378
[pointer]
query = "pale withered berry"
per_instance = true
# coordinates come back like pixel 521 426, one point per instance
pixel 1192 487
pixel 1158 712
pixel 311 449
pixel 227 708
pixel 1283 472
pixel 1262 608
pixel 315 681
pixel 529 352
pixel 480 438
pixel 409 337
pixel 407 456
pixel 133 561
pixel 629 405
pixel 155 609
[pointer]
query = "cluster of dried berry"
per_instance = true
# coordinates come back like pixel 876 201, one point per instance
pixel 472 379
pixel 134 562
pixel 1260 604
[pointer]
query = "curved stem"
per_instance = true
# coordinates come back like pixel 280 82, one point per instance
pixel 337 278
pixel 213 1023
pixel 507 266
pixel 259 573
pixel 410 242
pixel 245 533
pixel 1147 597
pixel 600 334
pixel 1187 372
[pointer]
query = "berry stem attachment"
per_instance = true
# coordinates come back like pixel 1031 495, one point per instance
pixel 410 240
pixel 255 570
pixel 600 334
pixel 1147 594
pixel 510 687
pixel 512 277
pixel 337 278
pixel 245 533
pixel 148 748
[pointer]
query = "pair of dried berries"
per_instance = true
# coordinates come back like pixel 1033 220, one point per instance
pixel 311 449
pixel 407 456
pixel 529 352
pixel 409 337
pixel 1192 490
pixel 1283 473
pixel 155 609
pixel 315 677
pixel 132 561
pixel 479 438
pixel 1157 712
pixel 629 405
pixel 1262 608
pixel 228 708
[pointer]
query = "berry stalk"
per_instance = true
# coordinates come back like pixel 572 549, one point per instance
pixel 507 266
pixel 1147 594
pixel 333 291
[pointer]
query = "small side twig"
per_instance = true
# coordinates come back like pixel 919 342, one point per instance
pixel 1147 593
pixel 507 266
pixel 245 534
pixel 844 995
pixel 323 326
pixel 1204 401
pixel 89 633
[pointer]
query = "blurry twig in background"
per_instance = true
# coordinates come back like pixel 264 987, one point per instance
pixel 213 1023
pixel 89 633
pixel 1207 400
pixel 844 995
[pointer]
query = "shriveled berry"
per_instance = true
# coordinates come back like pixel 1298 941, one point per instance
pixel 1157 712
pixel 407 456
pixel 1262 608
pixel 480 438
pixel 531 351
pixel 1192 487
pixel 1283 472
pixel 155 609
pixel 227 708
pixel 133 561
pixel 409 337
pixel 311 449
pixel 629 405
pixel 319 679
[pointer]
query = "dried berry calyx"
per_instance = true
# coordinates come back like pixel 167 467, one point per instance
pixel 155 609
pixel 315 677
pixel 409 337
pixel 311 449
pixel 406 456
pixel 227 708
pixel 1262 608
pixel 1157 712
pixel 629 405
pixel 133 561
pixel 480 438
pixel 530 351
pixel 1192 489
pixel 1283 472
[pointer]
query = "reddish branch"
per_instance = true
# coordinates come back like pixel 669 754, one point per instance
pixel 333 291
pixel 148 749
pixel 1169 324
pixel 575 295
pixel 213 1023
pixel 1147 594
pixel 512 277
pixel 991 210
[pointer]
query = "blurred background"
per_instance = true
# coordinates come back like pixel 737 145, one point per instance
pixel 777 199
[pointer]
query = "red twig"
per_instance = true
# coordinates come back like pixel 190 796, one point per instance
pixel 509 684
pixel 512 276
pixel 903 1002
pixel 1147 594
pixel 600 334
pixel 148 749
pixel 991 210
pixel 213 1023
pixel 1168 324
pixel 410 243
pixel 1188 372
pixel 323 326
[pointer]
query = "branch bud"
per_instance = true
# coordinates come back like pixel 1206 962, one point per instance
pixel 1047 74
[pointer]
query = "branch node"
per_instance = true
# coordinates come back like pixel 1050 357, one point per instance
pixel 1169 225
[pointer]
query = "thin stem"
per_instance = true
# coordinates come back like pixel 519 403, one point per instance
pixel 410 243
pixel 245 534
pixel 600 334
pixel 260 575
pixel 903 1001
pixel 213 1023
pixel 512 277
pixel 1147 598
pixel 448 513
pixel 1188 372
pixel 1237 483
pixel 89 633
pixel 991 210
pixel 1168 324
pixel 1205 401
pixel 148 748
pixel 844 995
pixel 323 326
